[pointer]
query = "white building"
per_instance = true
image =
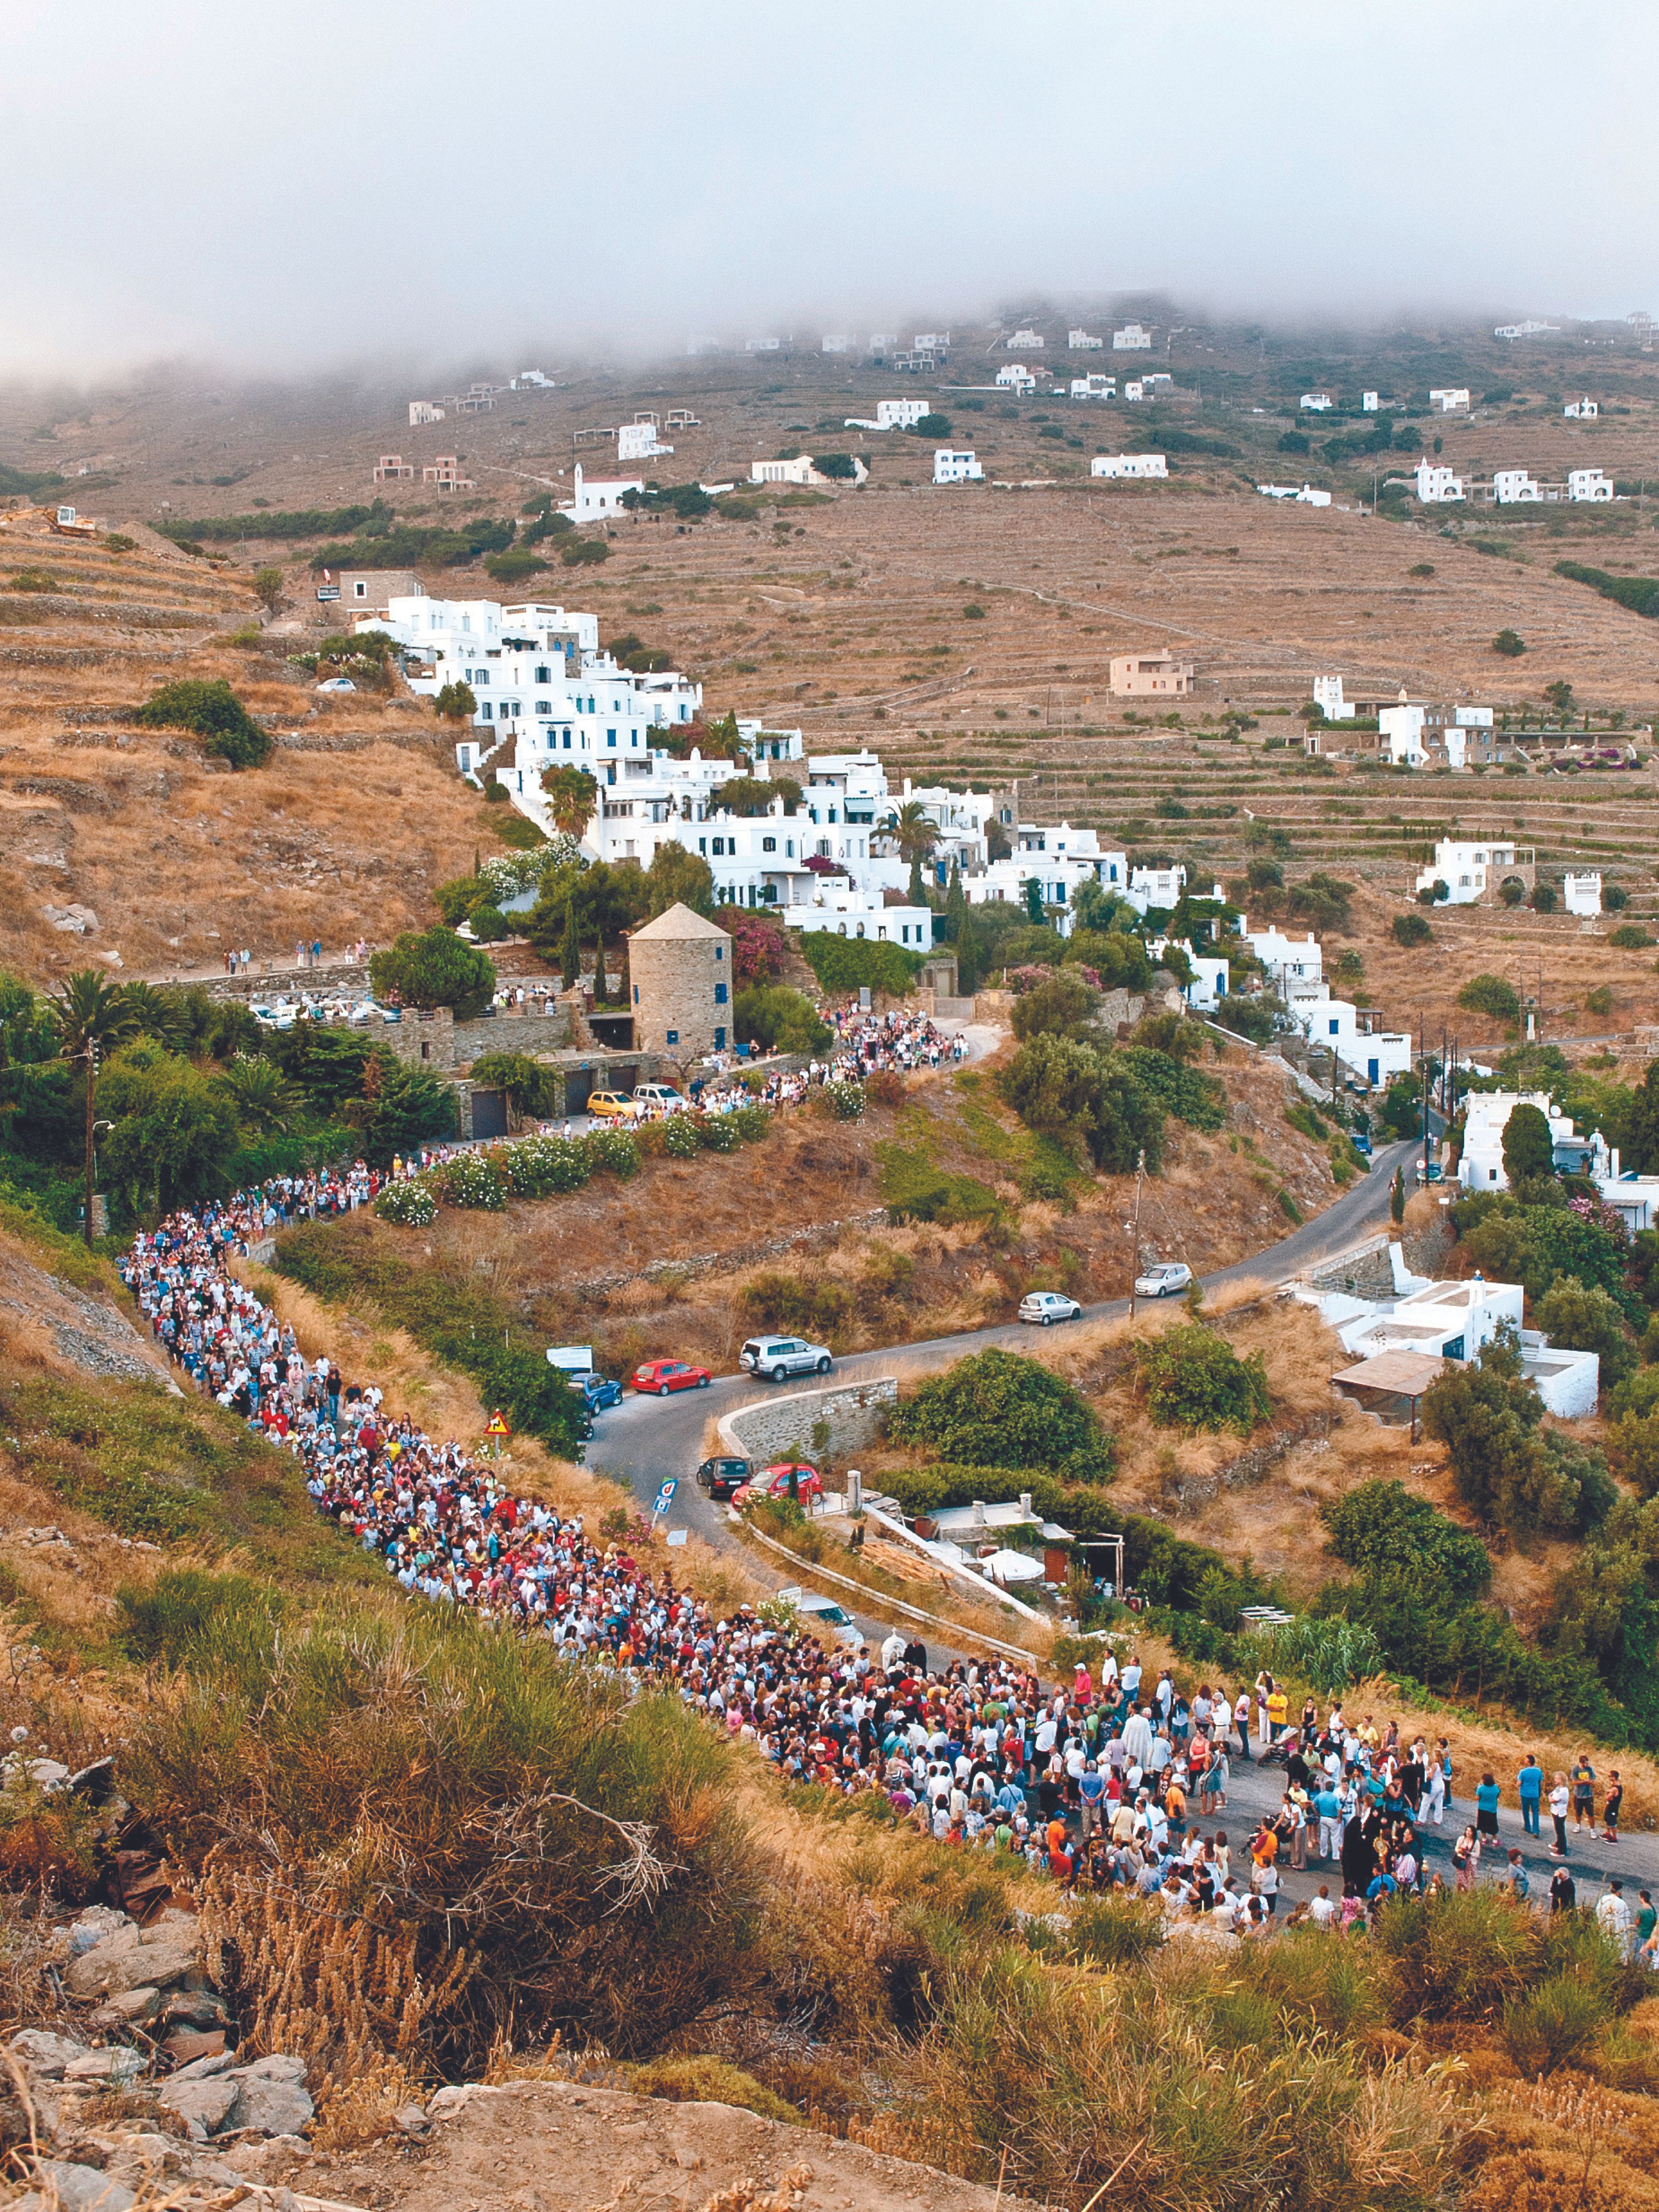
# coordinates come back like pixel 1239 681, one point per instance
pixel 1589 483
pixel 849 913
pixel 1581 894
pixel 760 345
pixel 951 467
pixel 1529 329
pixel 1438 484
pixel 1470 868
pixel 1305 495
pixel 1024 341
pixel 1327 698
pixel 1514 488
pixel 840 344
pixel 1453 1321
pixel 597 498
pixel 930 342
pixel 1449 400
pixel 1059 859
pixel 1134 389
pixel 1094 387
pixel 1156 887
pixel 1414 735
pixel 1339 1026
pixel 1209 985
pixel 883 342
pixel 1130 339
pixel 1016 377
pixel 1369 402
pixel 1128 465
pixel 530 380
pixel 422 411
pixel 1317 403
pixel 1080 342
pixel 1487 1116
pixel 1288 962
pixel 801 470
pixel 1581 410
pixel 900 414
pixel 637 441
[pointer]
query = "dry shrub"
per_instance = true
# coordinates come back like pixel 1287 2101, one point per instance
pixel 750 2195
pixel 316 1979
pixel 702 2079
pixel 364 2107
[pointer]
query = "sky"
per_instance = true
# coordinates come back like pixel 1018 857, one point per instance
pixel 309 185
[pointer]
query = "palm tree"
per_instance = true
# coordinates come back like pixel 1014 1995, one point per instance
pixel 157 1013
pixel 266 1103
pixel 91 1015
pixel 572 797
pixel 912 829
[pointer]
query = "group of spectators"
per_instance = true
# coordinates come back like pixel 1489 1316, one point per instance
pixel 1103 1783
pixel 865 1044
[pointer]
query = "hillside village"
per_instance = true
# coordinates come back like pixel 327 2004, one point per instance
pixel 1116 1071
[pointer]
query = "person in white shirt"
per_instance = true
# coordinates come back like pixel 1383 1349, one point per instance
pixel 1613 1914
pixel 1137 1737
pixel 1322 1912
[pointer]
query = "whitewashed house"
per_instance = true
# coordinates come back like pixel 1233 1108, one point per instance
pixel 1080 342
pixel 1439 484
pixel 1453 1321
pixel 595 499
pixel 1024 341
pixel 1449 400
pixel 1486 1115
pixel 840 344
pixel 930 342
pixel 1581 410
pixel 1581 895
pixel 1472 868
pixel 1317 403
pixel 900 414
pixel 1128 465
pixel 422 412
pixel 1589 483
pixel 1094 387
pixel 953 467
pixel 1340 1027
pixel 1130 339
pixel 637 441
pixel 1329 698
pixel 1416 735
pixel 849 913
pixel 1514 488
pixel 1530 329
pixel 1305 495
pixel 1016 377
pixel 1369 402
pixel 1288 962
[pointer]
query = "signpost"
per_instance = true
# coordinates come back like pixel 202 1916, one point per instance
pixel 664 1498
pixel 496 1430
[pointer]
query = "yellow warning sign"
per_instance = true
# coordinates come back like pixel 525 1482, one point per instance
pixel 497 1426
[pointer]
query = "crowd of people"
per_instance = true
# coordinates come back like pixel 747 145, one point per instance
pixel 865 1044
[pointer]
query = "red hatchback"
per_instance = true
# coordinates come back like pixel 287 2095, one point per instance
pixel 661 1376
pixel 774 1482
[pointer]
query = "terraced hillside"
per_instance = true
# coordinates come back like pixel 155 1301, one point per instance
pixel 130 845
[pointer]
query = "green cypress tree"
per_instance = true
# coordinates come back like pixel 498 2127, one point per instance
pixel 570 952
pixel 1397 1197
pixel 601 984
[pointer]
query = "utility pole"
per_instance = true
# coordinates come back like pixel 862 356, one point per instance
pixel 1134 1232
pixel 1424 1035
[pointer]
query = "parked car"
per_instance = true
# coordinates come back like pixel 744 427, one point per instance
pixel 659 1098
pixel 721 1477
pixel 1361 1141
pixel 659 1376
pixel 1432 1172
pixel 1165 1280
pixel 774 1482
pixel 337 683
pixel 1047 1307
pixel 598 1391
pixel 822 1613
pixel 777 1357
pixel 611 1106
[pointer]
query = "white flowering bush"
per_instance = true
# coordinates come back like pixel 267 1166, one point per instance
pixel 611 1151
pixel 843 1101
pixel 410 1205
pixel 509 873
pixel 677 1137
pixel 545 1167
pixel 475 1181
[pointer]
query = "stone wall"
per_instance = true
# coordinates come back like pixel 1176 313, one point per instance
pixel 519 1030
pixel 1366 1271
pixel 781 1426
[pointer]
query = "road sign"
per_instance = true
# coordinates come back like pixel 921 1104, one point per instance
pixel 664 1497
pixel 497 1426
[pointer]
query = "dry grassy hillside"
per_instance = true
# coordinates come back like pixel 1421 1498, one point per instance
pixel 341 835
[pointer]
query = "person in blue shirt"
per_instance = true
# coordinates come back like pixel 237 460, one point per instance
pixel 1486 1795
pixel 1529 1788
pixel 1091 1789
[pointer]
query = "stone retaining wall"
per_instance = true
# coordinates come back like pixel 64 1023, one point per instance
pixel 741 1255
pixel 783 1427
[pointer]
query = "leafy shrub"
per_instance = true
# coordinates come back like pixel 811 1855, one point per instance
pixel 1076 1092
pixel 715 1133
pixel 1382 1528
pixel 1632 1446
pixel 611 1151
pixel 779 1020
pixel 1554 2025
pixel 434 968
pixel 584 551
pixel 677 1137
pixel 1198 1100
pixel 1507 1473
pixel 1491 994
pixel 1629 937
pixel 1410 929
pixel 1194 1379
pixel 475 1181
pixel 531 1088
pixel 753 1124
pixel 1062 1005
pixel 1509 643
pixel 1584 1318
pixel 999 1409
pixel 488 924
pixel 884 1086
pixel 212 710
pixel 545 1167
pixel 778 1303
pixel 1541 898
pixel 851 963
pixel 410 1205
pixel 703 2081
pixel 842 1102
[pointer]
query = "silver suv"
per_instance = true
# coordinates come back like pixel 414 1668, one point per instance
pixel 778 1357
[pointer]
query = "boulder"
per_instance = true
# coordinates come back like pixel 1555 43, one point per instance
pixel 278 2066
pixel 266 2101
pixel 130 2004
pixel 47 2054
pixel 97 1921
pixel 199 2104
pixel 116 2066
pixel 185 2045
pixel 75 2188
pixel 133 1958
pixel 204 2068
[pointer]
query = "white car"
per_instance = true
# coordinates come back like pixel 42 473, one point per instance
pixel 659 1097
pixel 823 1614
pixel 778 1357
pixel 1166 1280
pixel 1047 1307
pixel 337 683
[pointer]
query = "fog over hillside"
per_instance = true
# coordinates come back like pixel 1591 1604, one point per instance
pixel 288 190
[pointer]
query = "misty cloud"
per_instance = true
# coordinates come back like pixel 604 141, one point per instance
pixel 315 184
